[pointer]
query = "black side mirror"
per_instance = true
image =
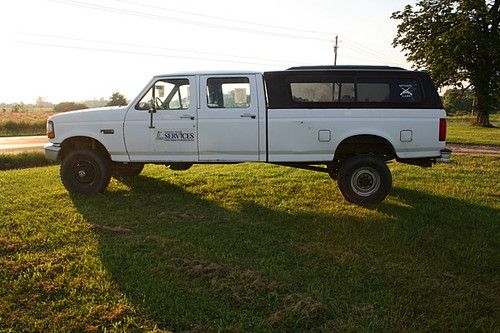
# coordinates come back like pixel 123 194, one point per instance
pixel 152 110
pixel 152 106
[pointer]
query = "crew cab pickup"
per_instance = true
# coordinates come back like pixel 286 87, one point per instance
pixel 347 121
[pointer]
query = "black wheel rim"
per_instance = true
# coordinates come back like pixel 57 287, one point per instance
pixel 84 172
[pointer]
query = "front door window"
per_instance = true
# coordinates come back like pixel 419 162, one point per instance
pixel 167 94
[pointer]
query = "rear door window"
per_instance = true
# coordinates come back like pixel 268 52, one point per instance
pixel 228 93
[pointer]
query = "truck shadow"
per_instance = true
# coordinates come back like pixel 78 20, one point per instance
pixel 190 263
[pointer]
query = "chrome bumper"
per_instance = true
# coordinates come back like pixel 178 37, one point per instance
pixel 52 151
pixel 445 156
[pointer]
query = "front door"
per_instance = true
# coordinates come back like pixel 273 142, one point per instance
pixel 228 126
pixel 171 134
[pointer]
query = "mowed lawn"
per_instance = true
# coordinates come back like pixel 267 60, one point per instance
pixel 252 248
pixel 470 134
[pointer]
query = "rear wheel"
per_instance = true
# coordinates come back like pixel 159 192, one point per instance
pixel 86 171
pixel 364 179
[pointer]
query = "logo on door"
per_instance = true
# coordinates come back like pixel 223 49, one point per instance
pixel 176 135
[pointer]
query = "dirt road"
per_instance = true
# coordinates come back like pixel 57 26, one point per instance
pixel 474 149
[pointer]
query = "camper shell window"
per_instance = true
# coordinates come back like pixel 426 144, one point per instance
pixel 350 89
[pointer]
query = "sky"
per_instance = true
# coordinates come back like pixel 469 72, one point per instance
pixel 73 50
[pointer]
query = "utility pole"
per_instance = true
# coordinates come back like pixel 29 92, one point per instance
pixel 335 48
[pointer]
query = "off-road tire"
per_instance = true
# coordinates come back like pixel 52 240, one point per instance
pixel 364 179
pixel 86 171
pixel 122 170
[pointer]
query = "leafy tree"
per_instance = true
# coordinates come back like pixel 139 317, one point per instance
pixel 458 41
pixel 117 99
pixel 457 101
pixel 69 106
pixel 18 107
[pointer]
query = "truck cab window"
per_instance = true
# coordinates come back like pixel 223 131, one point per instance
pixel 228 93
pixel 168 94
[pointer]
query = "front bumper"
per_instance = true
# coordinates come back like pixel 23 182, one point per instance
pixel 52 151
pixel 445 156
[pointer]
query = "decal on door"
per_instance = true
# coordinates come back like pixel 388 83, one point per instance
pixel 175 135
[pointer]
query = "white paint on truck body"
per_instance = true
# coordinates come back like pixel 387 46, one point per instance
pixel 201 133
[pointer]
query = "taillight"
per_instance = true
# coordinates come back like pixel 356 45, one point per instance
pixel 50 130
pixel 442 129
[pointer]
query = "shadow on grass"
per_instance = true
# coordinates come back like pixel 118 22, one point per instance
pixel 190 264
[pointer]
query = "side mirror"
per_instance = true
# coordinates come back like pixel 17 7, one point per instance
pixel 152 109
pixel 152 106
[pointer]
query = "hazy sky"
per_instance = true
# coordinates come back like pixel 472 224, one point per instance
pixel 83 49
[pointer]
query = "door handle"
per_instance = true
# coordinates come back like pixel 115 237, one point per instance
pixel 247 115
pixel 187 116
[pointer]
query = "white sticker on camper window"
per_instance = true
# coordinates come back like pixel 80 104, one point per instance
pixel 405 90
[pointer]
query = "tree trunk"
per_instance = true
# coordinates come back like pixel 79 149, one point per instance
pixel 482 107
pixel 483 119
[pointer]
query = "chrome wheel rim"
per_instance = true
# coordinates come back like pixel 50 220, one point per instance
pixel 365 181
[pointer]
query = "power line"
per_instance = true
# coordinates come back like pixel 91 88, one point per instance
pixel 277 61
pixel 335 49
pixel 353 45
pixel 180 20
pixel 224 18
pixel 363 46
pixel 372 53
pixel 144 53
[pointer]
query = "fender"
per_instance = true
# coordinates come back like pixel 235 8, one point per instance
pixel 363 131
pixel 113 144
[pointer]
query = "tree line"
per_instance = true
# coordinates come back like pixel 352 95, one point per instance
pixel 116 99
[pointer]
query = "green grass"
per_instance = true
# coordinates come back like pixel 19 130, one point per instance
pixel 469 134
pixel 252 248
pixel 494 118
pixel 21 127
pixel 23 160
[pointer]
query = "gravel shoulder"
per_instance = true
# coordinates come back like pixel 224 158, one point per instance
pixel 458 148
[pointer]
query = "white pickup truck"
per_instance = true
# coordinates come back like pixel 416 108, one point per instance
pixel 348 121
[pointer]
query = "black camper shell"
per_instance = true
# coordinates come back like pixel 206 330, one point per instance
pixel 351 87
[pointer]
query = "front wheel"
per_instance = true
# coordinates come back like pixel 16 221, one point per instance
pixel 364 179
pixel 86 171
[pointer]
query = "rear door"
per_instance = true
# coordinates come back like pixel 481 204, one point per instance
pixel 228 118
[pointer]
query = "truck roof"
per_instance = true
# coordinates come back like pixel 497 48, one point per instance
pixel 360 68
pixel 208 73
pixel 346 67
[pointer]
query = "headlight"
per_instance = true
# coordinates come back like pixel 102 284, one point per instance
pixel 50 130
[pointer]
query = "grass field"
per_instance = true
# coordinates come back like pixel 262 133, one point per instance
pixel 23 160
pixel 29 122
pixel 251 248
pixel 469 134
pixel 494 118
